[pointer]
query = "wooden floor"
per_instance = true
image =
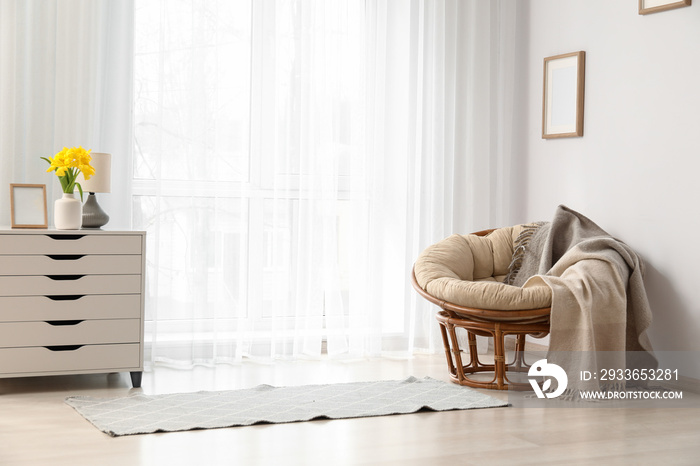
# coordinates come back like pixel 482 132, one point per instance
pixel 37 428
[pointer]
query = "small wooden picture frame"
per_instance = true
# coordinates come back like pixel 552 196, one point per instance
pixel 562 95
pixel 28 206
pixel 654 6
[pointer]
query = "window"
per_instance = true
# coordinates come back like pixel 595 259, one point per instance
pixel 249 165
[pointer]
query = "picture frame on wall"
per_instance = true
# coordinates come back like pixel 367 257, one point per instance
pixel 28 205
pixel 563 95
pixel 655 6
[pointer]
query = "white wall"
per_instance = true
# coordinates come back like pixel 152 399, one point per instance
pixel 636 170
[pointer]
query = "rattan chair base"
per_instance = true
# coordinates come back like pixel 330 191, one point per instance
pixel 459 372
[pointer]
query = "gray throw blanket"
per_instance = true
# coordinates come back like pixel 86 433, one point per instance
pixel 599 303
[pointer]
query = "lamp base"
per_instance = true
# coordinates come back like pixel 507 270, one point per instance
pixel 93 215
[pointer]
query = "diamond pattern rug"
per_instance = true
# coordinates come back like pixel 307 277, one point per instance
pixel 142 414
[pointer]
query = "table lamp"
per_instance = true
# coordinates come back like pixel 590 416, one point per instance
pixel 100 182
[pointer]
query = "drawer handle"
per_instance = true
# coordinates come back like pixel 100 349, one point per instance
pixel 65 237
pixel 67 297
pixel 64 347
pixel 65 277
pixel 67 257
pixel 60 323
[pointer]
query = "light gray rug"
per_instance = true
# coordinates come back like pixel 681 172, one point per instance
pixel 143 414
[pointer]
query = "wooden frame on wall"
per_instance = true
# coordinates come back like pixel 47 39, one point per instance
pixel 654 6
pixel 563 95
pixel 28 206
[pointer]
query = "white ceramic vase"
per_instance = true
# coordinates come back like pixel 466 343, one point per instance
pixel 68 213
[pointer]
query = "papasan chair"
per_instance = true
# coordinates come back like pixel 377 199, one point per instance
pixel 464 275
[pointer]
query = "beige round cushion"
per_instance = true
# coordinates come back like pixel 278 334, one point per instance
pixel 468 270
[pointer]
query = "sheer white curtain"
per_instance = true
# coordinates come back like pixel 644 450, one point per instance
pixel 459 119
pixel 65 80
pixel 292 157
pixel 438 134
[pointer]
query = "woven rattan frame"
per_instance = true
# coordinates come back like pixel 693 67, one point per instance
pixel 489 323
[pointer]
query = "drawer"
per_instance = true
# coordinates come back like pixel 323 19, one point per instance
pixel 57 285
pixel 75 243
pixel 70 264
pixel 77 307
pixel 67 332
pixel 110 358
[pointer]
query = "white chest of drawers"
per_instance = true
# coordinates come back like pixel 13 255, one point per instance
pixel 71 302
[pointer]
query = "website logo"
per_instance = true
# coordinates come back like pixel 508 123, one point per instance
pixel 551 371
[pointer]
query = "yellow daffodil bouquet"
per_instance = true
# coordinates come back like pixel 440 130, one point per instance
pixel 68 164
